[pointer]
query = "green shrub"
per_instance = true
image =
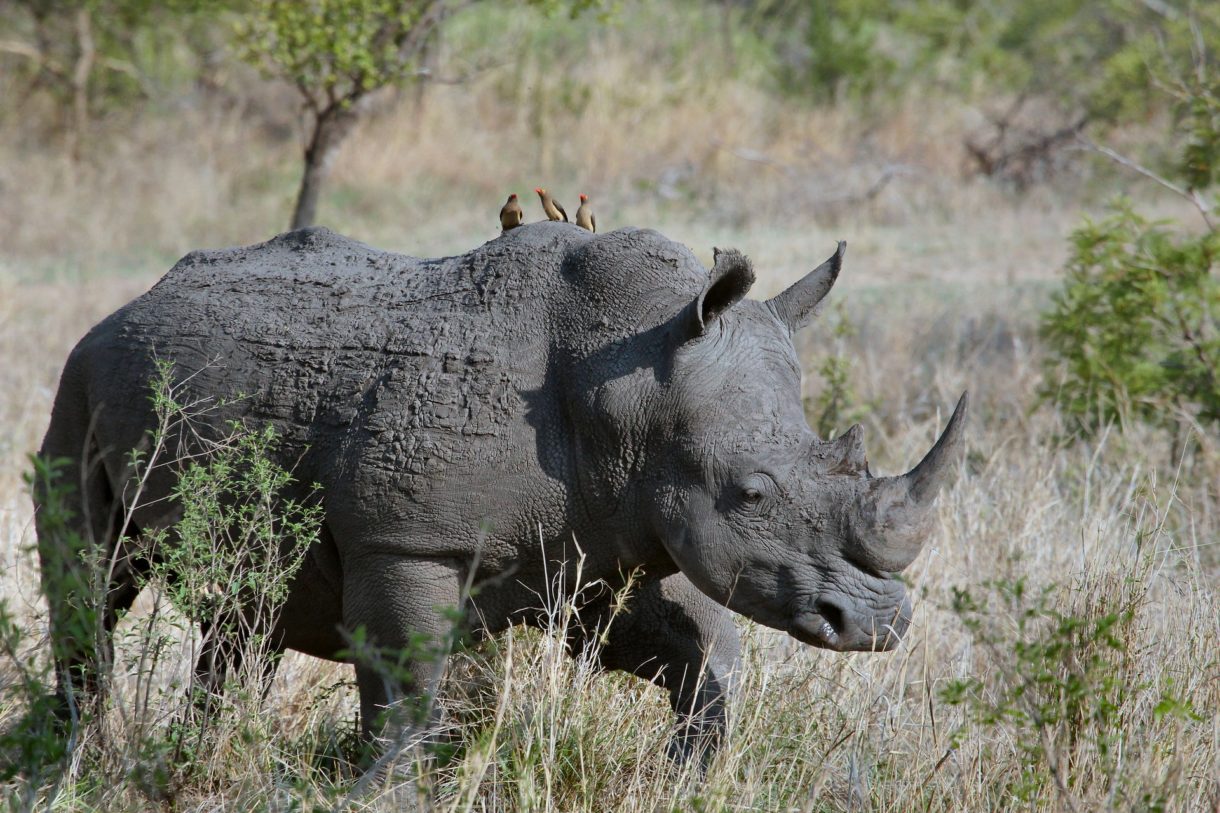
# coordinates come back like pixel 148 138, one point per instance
pixel 837 405
pixel 1062 685
pixel 1135 332
pixel 225 565
pixel 32 746
pixel 1134 335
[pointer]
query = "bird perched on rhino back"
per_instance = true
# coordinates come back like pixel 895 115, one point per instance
pixel 511 213
pixel 584 215
pixel 552 207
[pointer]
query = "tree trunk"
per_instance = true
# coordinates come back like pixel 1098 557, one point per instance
pixel 80 82
pixel 330 128
pixel 428 62
pixel 726 34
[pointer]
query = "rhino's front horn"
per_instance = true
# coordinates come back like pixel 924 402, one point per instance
pixel 794 306
pixel 925 480
pixel 894 517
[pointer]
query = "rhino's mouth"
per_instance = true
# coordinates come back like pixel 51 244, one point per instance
pixel 822 627
pixel 829 626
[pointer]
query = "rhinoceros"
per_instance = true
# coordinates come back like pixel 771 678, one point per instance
pixel 474 419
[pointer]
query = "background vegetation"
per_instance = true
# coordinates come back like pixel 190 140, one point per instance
pixel 1064 651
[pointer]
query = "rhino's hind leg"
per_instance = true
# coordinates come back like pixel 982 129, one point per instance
pixel 88 574
pixel 681 640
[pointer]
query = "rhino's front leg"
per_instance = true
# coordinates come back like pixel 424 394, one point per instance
pixel 405 608
pixel 681 640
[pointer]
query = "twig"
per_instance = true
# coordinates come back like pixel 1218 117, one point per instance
pixel 460 79
pixel 1189 194
pixel 949 752
pixel 1019 161
pixel 128 69
pixel 22 49
pixel 888 173
pixel 1052 757
pixel 754 157
pixel 1162 8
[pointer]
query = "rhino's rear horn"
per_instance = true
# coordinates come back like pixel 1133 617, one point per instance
pixel 795 305
pixel 847 451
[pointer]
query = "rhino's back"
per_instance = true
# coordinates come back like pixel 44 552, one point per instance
pixel 363 360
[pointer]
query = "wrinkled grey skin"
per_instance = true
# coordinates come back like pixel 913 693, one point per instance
pixel 551 385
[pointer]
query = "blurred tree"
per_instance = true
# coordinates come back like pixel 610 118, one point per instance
pixel 88 55
pixel 1041 70
pixel 827 49
pixel 1045 70
pixel 338 54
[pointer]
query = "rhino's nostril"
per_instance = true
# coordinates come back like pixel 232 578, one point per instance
pixel 832 614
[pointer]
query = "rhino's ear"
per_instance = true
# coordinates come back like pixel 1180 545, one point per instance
pixel 728 283
pixel 795 306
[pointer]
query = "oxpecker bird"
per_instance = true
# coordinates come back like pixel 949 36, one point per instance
pixel 551 206
pixel 584 215
pixel 511 214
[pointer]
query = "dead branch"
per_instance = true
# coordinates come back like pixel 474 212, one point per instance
pixel 1189 194
pixel 22 49
pixel 428 75
pixel 999 156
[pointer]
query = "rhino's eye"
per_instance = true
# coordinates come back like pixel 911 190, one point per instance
pixel 754 493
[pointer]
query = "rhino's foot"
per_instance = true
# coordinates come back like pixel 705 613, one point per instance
pixel 695 747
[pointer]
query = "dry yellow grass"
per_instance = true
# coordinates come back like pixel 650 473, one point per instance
pixel 942 284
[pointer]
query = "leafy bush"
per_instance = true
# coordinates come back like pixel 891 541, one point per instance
pixel 1088 57
pixel 33 746
pixel 1135 332
pixel 94 57
pixel 829 49
pixel 1063 685
pixel 225 566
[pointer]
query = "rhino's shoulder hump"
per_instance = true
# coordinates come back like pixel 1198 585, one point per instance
pixel 634 277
